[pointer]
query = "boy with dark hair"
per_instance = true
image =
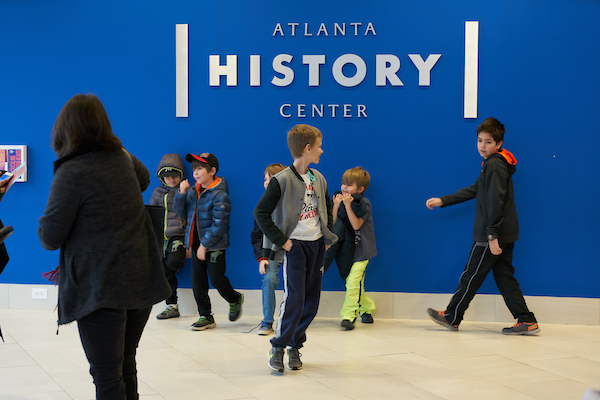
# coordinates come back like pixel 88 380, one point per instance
pixel 352 218
pixel 207 208
pixel 294 214
pixel 495 231
pixel 269 269
pixel 170 173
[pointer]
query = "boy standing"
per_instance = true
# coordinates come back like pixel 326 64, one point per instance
pixel 362 244
pixel 207 208
pixel 295 215
pixel 269 269
pixel 170 172
pixel 496 229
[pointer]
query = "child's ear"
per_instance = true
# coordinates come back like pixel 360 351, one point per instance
pixel 213 171
pixel 361 189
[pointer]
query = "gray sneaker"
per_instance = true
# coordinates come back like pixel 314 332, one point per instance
pixel 294 362
pixel 170 312
pixel 204 322
pixel 276 359
pixel 265 329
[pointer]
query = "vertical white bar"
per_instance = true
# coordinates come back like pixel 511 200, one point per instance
pixel 471 68
pixel 181 71
pixel 254 70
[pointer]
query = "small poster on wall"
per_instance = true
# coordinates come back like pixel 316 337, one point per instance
pixel 13 158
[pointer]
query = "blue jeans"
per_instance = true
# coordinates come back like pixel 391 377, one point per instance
pixel 270 283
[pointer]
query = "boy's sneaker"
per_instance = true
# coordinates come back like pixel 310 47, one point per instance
pixel 265 329
pixel 235 309
pixel 439 318
pixel 204 322
pixel 522 328
pixel 276 359
pixel 294 362
pixel 366 318
pixel 170 312
pixel 347 324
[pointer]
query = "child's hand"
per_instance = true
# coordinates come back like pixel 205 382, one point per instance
pixel 287 246
pixel 337 199
pixel 262 266
pixel 184 186
pixel 201 253
pixel 495 247
pixel 433 202
pixel 347 199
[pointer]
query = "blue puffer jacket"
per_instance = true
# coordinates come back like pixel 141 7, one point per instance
pixel 207 213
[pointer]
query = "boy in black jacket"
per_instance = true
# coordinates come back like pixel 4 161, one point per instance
pixel 496 229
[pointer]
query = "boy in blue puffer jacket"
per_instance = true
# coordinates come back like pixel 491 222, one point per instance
pixel 207 207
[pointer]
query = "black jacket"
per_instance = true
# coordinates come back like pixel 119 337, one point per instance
pixel 109 257
pixel 496 213
pixel 343 250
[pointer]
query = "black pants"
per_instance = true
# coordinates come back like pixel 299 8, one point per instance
pixel 110 339
pixel 302 278
pixel 213 267
pixel 173 261
pixel 481 261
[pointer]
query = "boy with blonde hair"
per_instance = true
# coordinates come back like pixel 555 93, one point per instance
pixel 294 214
pixel 269 269
pixel 352 215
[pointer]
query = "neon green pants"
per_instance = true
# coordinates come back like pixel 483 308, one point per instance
pixel 356 299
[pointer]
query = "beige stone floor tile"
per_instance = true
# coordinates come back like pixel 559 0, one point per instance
pixel 376 387
pixel 518 348
pixel 552 390
pixel 12 355
pixel 500 370
pixel 28 380
pixel 471 388
pixel 577 369
pixel 412 368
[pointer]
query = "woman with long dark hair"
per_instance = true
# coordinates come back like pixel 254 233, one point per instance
pixel 110 271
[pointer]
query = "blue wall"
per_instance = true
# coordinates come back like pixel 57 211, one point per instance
pixel 538 66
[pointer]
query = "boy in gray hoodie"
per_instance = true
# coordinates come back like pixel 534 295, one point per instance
pixel 170 171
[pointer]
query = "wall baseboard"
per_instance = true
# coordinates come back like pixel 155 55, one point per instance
pixel 390 305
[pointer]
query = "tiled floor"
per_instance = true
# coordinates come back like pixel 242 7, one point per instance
pixel 391 359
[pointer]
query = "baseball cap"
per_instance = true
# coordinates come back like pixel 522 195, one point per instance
pixel 206 158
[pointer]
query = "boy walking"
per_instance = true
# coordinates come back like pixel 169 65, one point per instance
pixel 207 208
pixel 496 229
pixel 268 269
pixel 170 172
pixel 295 215
pixel 352 218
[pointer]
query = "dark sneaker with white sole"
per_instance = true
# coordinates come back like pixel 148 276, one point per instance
pixel 204 322
pixel 439 318
pixel 522 328
pixel 294 362
pixel 276 359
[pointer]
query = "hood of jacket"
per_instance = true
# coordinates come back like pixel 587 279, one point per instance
pixel 510 159
pixel 170 161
